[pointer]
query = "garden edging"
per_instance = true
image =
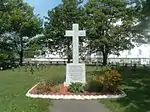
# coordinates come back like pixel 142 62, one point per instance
pixel 76 97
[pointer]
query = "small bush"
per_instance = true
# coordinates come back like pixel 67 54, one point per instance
pixel 111 81
pixel 55 80
pixel 118 67
pixel 44 87
pixel 93 86
pixel 107 82
pixel 76 87
pixel 57 88
pixel 49 85
pixel 102 70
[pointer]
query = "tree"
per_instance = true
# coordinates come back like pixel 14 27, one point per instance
pixel 33 47
pixel 60 19
pixel 6 52
pixel 144 26
pixel 110 26
pixel 5 48
pixel 4 22
pixel 6 6
pixel 23 25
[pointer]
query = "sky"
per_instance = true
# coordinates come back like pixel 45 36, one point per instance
pixel 42 6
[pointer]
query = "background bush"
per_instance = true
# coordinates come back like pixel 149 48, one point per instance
pixel 107 82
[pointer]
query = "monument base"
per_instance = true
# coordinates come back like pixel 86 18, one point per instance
pixel 75 73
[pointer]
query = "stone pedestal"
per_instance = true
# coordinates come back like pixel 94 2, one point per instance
pixel 75 73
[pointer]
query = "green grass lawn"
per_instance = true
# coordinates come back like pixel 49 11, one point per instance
pixel 137 87
pixel 15 84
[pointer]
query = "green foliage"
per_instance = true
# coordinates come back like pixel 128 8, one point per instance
pixel 102 70
pixel 104 34
pixel 3 56
pixel 33 47
pixel 23 21
pixel 57 88
pixel 59 20
pixel 118 67
pixel 7 57
pixel 111 81
pixel 49 86
pixel 76 87
pixel 93 86
pixel 136 86
pixel 6 53
pixel 18 25
pixel 144 26
pixel 55 80
pixel 31 54
pixel 4 21
pixel 108 82
pixel 44 87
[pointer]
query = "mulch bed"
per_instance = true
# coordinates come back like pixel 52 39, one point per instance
pixel 64 91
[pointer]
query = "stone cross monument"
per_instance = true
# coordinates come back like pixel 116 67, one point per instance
pixel 75 34
pixel 75 71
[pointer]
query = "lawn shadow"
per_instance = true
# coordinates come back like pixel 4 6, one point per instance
pixel 136 85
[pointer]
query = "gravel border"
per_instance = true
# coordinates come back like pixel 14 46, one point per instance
pixel 75 97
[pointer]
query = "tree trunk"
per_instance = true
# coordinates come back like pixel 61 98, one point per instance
pixel 21 58
pixel 21 52
pixel 105 57
pixel 69 59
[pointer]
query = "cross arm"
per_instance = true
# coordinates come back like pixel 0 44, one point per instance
pixel 82 33
pixel 68 33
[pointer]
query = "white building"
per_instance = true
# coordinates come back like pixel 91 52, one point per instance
pixel 139 54
pixel 142 51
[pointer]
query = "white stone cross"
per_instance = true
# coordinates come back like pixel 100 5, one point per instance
pixel 75 33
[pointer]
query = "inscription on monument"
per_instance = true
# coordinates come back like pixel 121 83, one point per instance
pixel 75 73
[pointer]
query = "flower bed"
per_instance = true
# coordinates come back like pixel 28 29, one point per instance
pixel 105 85
pixel 63 94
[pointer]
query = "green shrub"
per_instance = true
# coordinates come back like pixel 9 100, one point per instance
pixel 102 70
pixel 107 82
pixel 55 80
pixel 44 87
pixel 118 67
pixel 93 86
pixel 49 85
pixel 111 81
pixel 76 87
pixel 57 88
